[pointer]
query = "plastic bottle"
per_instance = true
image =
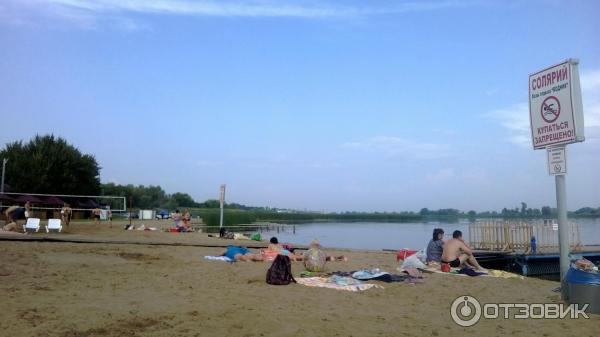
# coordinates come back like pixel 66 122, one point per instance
pixel 533 245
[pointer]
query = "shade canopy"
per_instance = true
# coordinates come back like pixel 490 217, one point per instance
pixel 52 201
pixel 4 197
pixel 87 203
pixel 26 198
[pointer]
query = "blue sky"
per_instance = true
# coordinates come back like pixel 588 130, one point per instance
pixel 320 105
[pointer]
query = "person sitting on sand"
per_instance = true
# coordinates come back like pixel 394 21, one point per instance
pixel 457 254
pixel 237 253
pixel 176 218
pixel 184 225
pixel 315 244
pixel 10 227
pixel 435 248
pixel 186 221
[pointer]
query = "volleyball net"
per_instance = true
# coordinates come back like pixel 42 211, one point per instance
pixel 57 201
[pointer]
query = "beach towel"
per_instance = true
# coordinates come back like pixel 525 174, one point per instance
pixel 218 258
pixel 503 274
pixel 366 274
pixel 453 271
pixel 491 273
pixel 391 278
pixel 322 282
pixel 307 273
pixel 470 272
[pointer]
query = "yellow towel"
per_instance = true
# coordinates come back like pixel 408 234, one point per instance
pixel 503 274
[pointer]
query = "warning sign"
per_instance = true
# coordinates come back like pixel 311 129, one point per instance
pixel 555 108
pixel 550 109
pixel 557 161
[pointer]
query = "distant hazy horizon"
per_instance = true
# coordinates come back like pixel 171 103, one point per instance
pixel 324 106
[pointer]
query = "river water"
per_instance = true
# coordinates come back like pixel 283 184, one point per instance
pixel 387 235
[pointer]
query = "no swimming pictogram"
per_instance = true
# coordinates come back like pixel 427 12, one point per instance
pixel 550 109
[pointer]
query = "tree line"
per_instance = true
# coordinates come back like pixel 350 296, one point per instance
pixel 50 165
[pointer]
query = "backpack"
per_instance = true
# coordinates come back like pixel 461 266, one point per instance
pixel 280 272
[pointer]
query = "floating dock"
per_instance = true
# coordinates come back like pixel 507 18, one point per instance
pixel 529 248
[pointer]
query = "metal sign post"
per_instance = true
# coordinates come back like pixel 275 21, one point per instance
pixel 222 199
pixel 563 225
pixel 130 202
pixel 556 116
pixel 4 161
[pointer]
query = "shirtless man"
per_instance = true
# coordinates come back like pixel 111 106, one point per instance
pixel 13 215
pixel 236 253
pixel 65 213
pixel 457 253
pixel 96 213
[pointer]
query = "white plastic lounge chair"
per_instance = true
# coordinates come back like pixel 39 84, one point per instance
pixel 33 224
pixel 53 225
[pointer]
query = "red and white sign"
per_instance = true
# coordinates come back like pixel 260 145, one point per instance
pixel 222 195
pixel 555 108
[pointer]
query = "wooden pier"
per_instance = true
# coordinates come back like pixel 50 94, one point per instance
pixel 518 236
pixel 508 245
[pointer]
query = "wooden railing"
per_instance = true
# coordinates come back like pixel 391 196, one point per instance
pixel 515 236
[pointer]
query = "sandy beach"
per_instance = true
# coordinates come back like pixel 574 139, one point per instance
pixel 158 284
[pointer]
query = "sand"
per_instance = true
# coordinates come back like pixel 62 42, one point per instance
pixel 152 288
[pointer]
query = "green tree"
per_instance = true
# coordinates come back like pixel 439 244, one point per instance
pixel 523 208
pixel 50 165
pixel 141 196
pixel 546 211
pixel 211 203
pixel 182 200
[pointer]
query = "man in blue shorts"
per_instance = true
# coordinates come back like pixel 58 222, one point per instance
pixel 237 253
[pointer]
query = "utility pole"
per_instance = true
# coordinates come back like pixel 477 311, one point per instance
pixel 4 161
pixel 222 200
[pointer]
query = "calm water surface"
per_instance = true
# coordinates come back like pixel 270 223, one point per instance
pixel 378 235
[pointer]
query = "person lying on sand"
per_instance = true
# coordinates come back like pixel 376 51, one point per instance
pixel 275 248
pixel 458 254
pixel 237 253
